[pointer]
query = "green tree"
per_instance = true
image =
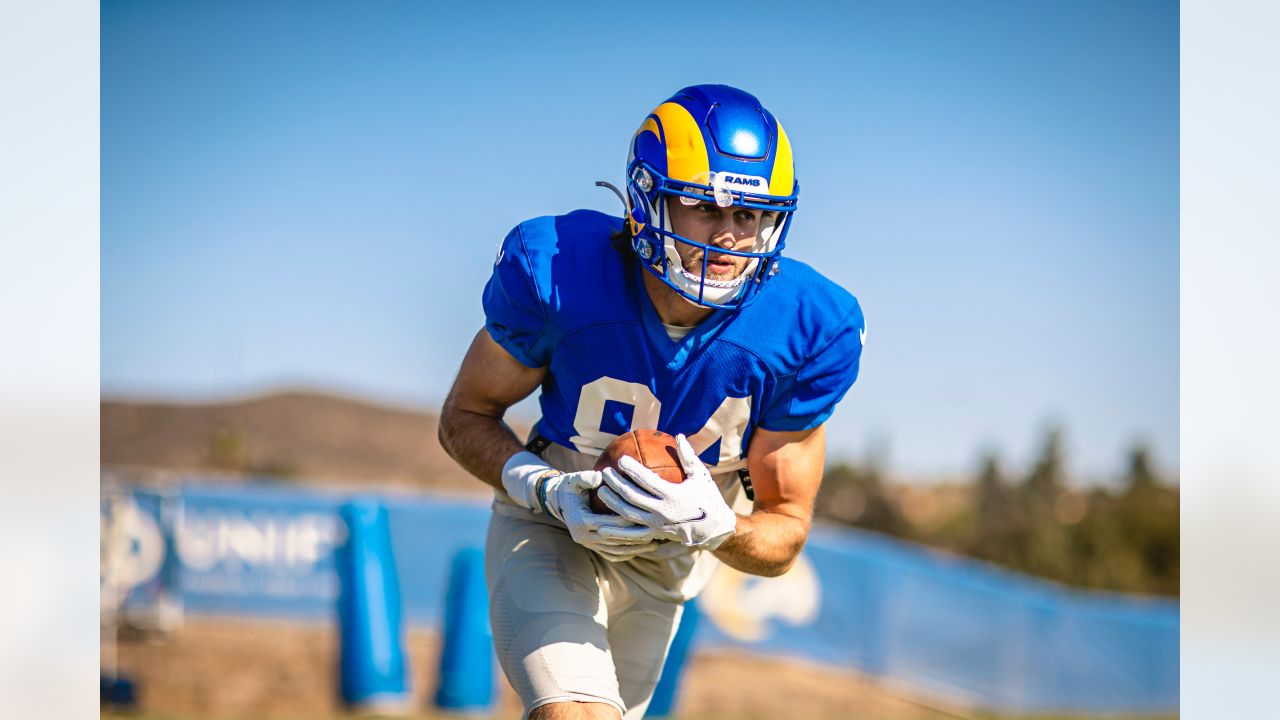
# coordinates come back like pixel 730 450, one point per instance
pixel 1148 513
pixel 1001 527
pixel 1044 549
pixel 1046 478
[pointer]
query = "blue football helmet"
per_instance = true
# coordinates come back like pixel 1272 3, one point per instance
pixel 717 144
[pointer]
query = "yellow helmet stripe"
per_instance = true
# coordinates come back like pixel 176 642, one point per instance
pixel 782 182
pixel 652 126
pixel 686 150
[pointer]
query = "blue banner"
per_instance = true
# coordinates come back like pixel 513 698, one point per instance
pixel 953 627
pixel 936 623
pixel 267 550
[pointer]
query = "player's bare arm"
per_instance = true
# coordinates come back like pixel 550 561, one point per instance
pixel 471 429
pixel 786 470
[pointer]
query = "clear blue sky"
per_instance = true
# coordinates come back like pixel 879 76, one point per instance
pixel 311 194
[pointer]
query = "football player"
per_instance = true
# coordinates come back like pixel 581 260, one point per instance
pixel 681 316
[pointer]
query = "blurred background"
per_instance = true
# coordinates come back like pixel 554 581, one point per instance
pixel 300 205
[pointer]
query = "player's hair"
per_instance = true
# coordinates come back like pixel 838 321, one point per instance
pixel 621 241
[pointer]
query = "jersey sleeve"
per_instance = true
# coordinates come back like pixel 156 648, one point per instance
pixel 515 314
pixel 806 398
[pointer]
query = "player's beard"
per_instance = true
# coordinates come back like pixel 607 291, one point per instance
pixel 738 265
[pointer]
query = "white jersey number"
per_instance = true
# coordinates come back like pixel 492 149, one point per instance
pixel 727 424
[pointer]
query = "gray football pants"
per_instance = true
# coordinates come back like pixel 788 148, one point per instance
pixel 567 626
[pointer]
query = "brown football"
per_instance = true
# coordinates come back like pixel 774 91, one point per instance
pixel 654 449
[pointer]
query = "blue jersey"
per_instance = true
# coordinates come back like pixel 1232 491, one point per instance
pixel 562 297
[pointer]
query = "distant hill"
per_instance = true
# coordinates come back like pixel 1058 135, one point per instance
pixel 286 435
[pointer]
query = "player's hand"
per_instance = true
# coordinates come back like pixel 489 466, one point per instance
pixel 693 512
pixel 533 484
pixel 613 537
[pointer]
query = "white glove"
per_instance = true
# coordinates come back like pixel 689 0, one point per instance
pixel 541 488
pixel 693 512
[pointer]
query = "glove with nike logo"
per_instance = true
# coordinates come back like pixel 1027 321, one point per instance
pixel 539 487
pixel 693 512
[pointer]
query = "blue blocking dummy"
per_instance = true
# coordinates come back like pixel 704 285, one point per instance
pixel 466 661
pixel 372 656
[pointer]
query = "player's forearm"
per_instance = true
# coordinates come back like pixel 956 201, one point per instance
pixel 764 543
pixel 481 444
